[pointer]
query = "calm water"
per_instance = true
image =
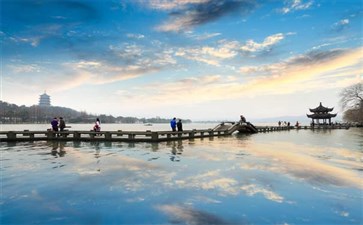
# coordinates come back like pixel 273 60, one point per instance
pixel 289 177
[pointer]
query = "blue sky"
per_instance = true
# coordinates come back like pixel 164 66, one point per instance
pixel 197 59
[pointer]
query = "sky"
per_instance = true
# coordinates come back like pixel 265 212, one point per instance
pixel 195 59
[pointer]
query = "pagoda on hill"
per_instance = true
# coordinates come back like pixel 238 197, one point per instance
pixel 44 100
pixel 321 113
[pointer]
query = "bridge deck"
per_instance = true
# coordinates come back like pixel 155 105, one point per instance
pixel 141 136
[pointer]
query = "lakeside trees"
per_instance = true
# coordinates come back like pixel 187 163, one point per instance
pixel 352 103
pixel 11 113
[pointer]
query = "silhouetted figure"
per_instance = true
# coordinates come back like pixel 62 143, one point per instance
pixel 62 124
pixel 242 119
pixel 179 125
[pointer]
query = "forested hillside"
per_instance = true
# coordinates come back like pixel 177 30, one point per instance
pixel 11 113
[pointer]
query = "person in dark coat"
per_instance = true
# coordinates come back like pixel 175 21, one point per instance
pixel 62 124
pixel 179 125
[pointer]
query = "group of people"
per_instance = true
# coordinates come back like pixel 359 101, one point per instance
pixel 58 124
pixel 280 123
pixel 176 125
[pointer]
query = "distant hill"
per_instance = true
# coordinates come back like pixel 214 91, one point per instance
pixel 11 113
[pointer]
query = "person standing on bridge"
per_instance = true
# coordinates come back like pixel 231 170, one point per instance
pixel 173 124
pixel 179 125
pixel 62 124
pixel 54 124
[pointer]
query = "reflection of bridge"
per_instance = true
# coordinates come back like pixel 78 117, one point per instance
pixel 223 129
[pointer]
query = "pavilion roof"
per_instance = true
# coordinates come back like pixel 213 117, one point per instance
pixel 321 116
pixel 321 108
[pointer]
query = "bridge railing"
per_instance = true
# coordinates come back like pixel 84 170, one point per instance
pixel 107 135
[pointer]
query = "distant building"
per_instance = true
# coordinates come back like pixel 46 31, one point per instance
pixel 321 113
pixel 44 100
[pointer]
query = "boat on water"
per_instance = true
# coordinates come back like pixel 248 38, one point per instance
pixel 147 124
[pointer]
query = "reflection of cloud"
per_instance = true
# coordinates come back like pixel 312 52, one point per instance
pixel 210 180
pixel 252 189
pixel 302 166
pixel 186 215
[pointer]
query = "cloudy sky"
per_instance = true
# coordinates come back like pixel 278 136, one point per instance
pixel 196 59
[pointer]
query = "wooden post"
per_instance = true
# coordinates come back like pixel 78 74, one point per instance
pixel 191 134
pixel 108 136
pixel 11 135
pixel 210 132
pixel 154 136
pixel 50 134
pixel 76 135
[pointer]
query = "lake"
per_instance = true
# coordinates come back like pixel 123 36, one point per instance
pixel 287 177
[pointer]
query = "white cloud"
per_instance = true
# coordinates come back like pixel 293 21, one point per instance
pixel 172 4
pixel 340 25
pixel 252 46
pixel 201 37
pixel 22 68
pixel 294 5
pixel 136 36
pixel 210 55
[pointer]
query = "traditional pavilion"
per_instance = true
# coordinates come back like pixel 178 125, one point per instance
pixel 44 100
pixel 321 113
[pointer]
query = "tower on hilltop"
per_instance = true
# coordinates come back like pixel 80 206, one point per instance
pixel 44 100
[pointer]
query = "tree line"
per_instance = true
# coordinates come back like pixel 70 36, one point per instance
pixel 12 113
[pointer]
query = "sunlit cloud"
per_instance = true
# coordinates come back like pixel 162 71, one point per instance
pixel 210 55
pixel 269 41
pixel 278 78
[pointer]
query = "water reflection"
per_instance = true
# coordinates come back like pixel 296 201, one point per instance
pixel 57 148
pixel 188 215
pixel 227 180
pixel 176 150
